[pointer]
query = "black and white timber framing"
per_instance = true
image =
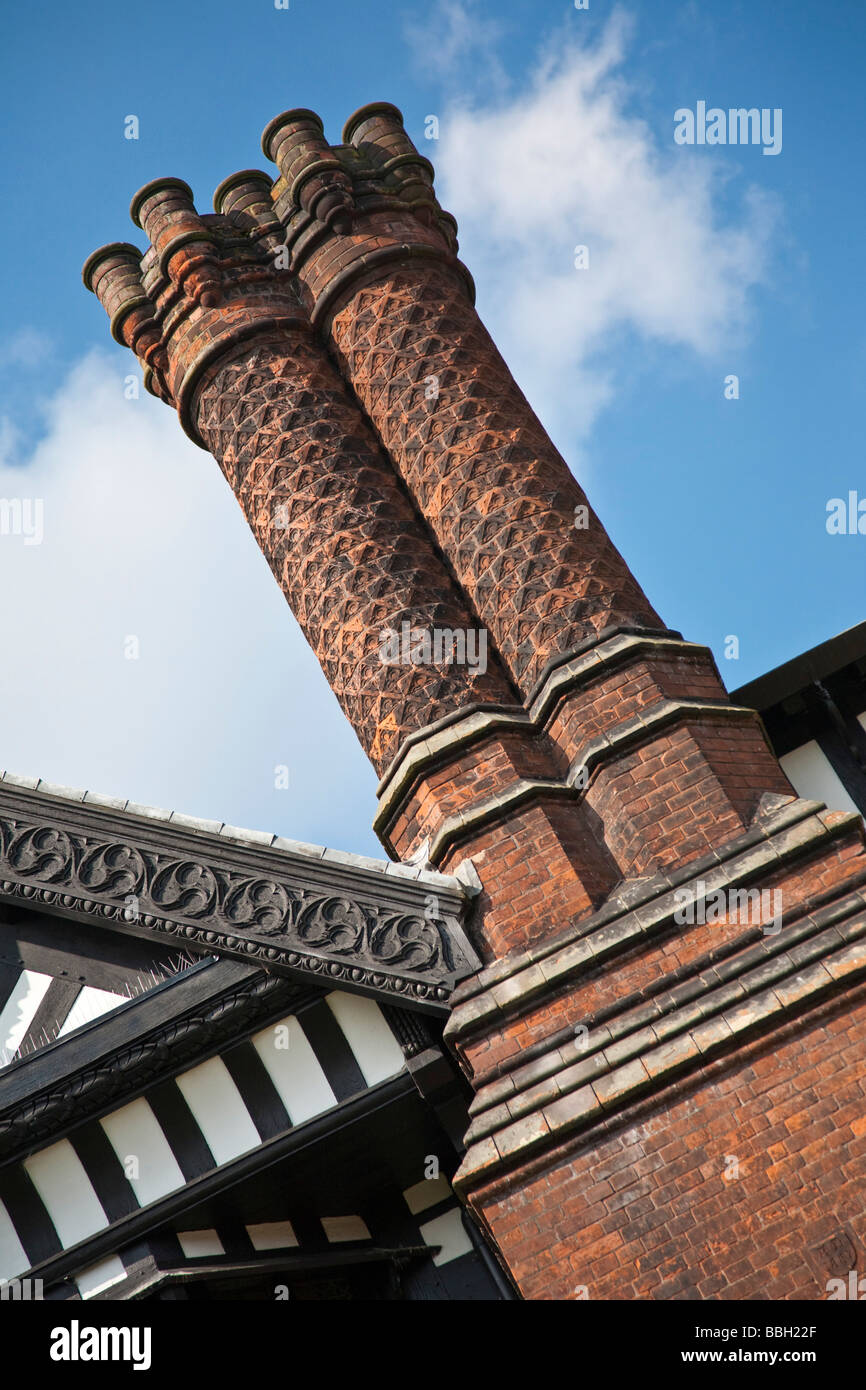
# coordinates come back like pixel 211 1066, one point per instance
pixel 814 711
pixel 225 1075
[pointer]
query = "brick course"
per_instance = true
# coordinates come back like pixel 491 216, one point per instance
pixel 646 1212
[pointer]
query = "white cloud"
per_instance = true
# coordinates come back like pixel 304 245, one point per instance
pixel 27 348
pixel 143 538
pixel 456 43
pixel 566 163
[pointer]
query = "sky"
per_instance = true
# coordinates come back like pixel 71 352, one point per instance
pixel 147 651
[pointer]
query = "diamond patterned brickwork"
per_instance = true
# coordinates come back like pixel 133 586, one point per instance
pixel 478 462
pixel 225 337
pixel 340 536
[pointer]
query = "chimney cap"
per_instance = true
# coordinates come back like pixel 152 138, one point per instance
pixel 242 176
pixel 297 113
pixel 373 108
pixel 112 248
pixel 155 186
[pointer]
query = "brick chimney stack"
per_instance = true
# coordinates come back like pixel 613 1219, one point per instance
pixel 318 336
pixel 224 336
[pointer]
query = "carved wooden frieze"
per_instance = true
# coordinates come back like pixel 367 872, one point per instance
pixel 403 951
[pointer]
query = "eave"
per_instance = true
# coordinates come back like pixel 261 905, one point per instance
pixel 391 931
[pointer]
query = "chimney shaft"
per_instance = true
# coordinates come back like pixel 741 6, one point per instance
pixel 319 338
pixel 236 355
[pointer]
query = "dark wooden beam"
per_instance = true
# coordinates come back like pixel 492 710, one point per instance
pixel 105 1171
pixel 181 1129
pixel 289 912
pixel 50 1091
pixel 8 980
pixel 331 1048
pixel 76 951
pixel 261 1097
pixel 328 1126
pixel 149 1282
pixel 53 1009
pixel 33 1225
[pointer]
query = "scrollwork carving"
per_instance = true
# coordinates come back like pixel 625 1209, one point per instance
pixel 215 908
pixel 412 940
pixel 188 889
pixel 334 923
pixel 112 869
pixel 260 904
pixel 40 851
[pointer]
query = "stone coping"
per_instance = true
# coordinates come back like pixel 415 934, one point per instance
pixel 440 748
pixel 696 994
pixel 437 743
pixel 591 1102
pixel 263 838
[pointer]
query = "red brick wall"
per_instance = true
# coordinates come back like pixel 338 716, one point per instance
pixel 652 963
pixel 676 796
pixel 645 1212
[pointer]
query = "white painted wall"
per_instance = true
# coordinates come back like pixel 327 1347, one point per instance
pixel 341 1228
pixel 294 1070
pixel 90 1003
pixel 13 1259
pixel 134 1132
pixel 272 1235
pixel 19 1011
pixel 197 1245
pixel 449 1232
pixel 98 1277
pixel 59 1177
pixel 377 1051
pixel 426 1193
pixel 813 776
pixel 218 1107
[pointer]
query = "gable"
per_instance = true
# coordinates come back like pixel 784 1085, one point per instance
pixel 187 1120
pixel 227 1113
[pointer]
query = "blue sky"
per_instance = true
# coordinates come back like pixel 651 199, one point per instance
pixel 556 129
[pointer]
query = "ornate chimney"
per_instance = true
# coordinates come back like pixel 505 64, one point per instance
pixel 318 336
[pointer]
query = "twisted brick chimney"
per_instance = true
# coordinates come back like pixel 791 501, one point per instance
pixel 317 335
